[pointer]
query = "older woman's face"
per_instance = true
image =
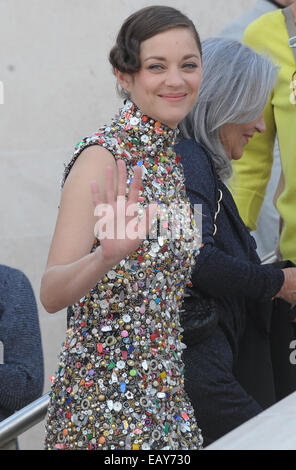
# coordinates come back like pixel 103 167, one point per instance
pixel 234 137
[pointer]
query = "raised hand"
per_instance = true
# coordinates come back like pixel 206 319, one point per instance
pixel 121 225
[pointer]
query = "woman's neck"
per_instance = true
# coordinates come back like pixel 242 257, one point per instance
pixel 143 128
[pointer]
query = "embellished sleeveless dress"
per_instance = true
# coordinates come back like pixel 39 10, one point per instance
pixel 120 383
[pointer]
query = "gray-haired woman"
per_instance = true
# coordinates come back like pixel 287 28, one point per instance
pixel 229 374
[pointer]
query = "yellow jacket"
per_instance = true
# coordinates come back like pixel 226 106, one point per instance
pixel 269 35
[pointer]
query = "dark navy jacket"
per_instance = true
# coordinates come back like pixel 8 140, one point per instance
pixel 228 266
pixel 21 374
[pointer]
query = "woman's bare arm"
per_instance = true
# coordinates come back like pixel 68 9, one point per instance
pixel 71 269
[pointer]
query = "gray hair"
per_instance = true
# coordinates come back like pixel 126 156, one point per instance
pixel 236 85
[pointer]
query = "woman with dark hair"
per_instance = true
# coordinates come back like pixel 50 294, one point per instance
pixel 119 383
pixel 229 376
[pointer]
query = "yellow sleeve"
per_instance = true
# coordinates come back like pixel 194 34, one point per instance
pixel 252 172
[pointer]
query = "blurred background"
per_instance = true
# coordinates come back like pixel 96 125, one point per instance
pixel 58 86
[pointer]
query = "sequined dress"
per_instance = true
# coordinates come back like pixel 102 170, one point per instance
pixel 119 383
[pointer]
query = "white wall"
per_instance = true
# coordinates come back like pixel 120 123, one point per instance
pixel 58 86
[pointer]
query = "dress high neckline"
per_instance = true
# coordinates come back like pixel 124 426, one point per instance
pixel 144 128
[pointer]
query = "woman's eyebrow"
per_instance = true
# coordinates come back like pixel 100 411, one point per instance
pixel 154 58
pixel 188 56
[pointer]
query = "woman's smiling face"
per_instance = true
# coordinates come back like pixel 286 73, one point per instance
pixel 167 84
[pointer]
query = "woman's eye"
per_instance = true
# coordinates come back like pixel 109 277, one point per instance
pixel 190 65
pixel 155 67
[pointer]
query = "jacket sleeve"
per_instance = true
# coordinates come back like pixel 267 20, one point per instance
pixel 252 172
pixel 22 374
pixel 221 275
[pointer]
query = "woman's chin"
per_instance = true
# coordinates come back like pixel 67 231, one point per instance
pixel 237 156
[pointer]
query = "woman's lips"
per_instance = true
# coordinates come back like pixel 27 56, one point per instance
pixel 247 137
pixel 174 97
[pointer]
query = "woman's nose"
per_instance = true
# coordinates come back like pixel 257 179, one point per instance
pixel 260 124
pixel 174 77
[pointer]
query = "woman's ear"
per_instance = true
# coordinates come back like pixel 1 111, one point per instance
pixel 123 79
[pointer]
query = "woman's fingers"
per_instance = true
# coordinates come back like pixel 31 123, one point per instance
pixel 125 213
pixel 96 197
pixel 109 191
pixel 122 183
pixel 121 178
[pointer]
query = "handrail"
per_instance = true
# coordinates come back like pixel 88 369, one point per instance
pixel 22 420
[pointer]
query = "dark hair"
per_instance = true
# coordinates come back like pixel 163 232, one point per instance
pixel 142 25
